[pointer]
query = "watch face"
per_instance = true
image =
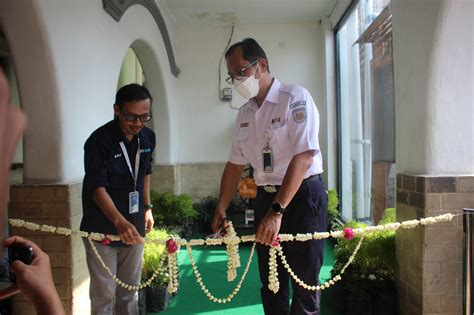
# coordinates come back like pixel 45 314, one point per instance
pixel 276 207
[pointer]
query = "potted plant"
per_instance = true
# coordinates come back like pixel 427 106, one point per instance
pixel 187 215
pixel 206 208
pixel 369 280
pixel 174 211
pixel 156 295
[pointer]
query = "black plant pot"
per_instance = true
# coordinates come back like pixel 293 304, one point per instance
pixel 367 297
pixel 141 302
pixel 157 299
pixel 385 299
pixel 358 302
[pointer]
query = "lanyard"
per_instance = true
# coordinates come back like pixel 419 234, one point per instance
pixel 137 162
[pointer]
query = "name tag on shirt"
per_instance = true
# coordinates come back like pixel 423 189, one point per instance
pixel 133 202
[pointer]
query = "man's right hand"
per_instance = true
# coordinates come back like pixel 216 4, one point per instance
pixel 128 233
pixel 219 221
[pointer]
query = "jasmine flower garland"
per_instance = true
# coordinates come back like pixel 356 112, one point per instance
pixel 273 283
pixel 233 257
pixel 232 241
pixel 172 250
pixel 127 286
pixel 203 286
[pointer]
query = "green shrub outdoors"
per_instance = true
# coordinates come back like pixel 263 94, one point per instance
pixel 173 210
pixel 206 209
pixel 152 254
pixel 333 211
pixel 376 255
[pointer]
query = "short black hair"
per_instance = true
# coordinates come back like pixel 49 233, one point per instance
pixel 251 50
pixel 132 92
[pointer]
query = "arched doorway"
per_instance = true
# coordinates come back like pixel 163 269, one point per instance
pixel 131 70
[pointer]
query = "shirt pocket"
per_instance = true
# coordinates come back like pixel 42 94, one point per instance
pixel 117 165
pixel 280 140
pixel 242 134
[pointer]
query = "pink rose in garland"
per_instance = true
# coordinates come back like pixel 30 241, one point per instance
pixel 276 242
pixel 171 246
pixel 348 233
pixel 106 241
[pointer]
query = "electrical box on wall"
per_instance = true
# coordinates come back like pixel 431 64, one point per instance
pixel 226 94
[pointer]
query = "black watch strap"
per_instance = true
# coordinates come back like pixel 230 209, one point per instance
pixel 277 207
pixel 148 207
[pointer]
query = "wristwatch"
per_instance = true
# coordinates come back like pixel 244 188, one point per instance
pixel 277 207
pixel 148 207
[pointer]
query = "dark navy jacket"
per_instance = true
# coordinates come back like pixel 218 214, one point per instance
pixel 105 166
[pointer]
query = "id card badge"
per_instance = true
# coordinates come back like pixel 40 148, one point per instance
pixel 133 202
pixel 267 160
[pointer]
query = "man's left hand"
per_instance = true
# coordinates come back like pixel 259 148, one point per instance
pixel 149 222
pixel 268 228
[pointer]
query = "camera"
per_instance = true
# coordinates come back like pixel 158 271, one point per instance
pixel 20 252
pixel 10 254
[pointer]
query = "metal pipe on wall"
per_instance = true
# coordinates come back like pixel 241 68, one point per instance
pixel 468 223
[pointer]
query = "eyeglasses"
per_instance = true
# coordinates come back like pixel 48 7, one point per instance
pixel 241 74
pixel 133 117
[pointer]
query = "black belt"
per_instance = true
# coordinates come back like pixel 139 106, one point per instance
pixel 271 189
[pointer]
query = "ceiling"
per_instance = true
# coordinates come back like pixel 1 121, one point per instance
pixel 227 12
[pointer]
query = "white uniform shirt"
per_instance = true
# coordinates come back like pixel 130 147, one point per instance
pixel 289 117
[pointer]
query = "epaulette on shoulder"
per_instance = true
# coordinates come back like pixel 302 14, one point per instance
pixel 244 107
pixel 291 89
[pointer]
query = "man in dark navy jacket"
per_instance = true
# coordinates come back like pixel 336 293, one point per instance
pixel 116 199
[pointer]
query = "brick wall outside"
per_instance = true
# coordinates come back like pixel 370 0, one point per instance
pixel 57 205
pixel 198 180
pixel 429 275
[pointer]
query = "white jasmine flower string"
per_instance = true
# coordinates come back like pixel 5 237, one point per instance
pixel 203 286
pixel 273 283
pixel 127 286
pixel 327 284
pixel 232 241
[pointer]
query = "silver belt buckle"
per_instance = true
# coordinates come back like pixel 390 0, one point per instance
pixel 270 189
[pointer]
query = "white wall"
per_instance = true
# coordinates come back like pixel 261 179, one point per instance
pixel 295 52
pixel 68 76
pixel 433 64
pixel 68 61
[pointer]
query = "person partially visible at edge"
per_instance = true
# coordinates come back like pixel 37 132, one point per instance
pixel 35 281
pixel 116 199
pixel 277 133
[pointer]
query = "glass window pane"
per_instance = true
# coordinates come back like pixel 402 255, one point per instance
pixel 366 112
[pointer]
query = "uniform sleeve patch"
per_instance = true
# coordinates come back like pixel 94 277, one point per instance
pixel 243 125
pixel 297 104
pixel 299 115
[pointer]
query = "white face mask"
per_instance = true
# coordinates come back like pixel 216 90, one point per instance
pixel 247 87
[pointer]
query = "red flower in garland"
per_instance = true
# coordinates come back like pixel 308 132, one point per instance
pixel 276 242
pixel 171 246
pixel 106 241
pixel 348 233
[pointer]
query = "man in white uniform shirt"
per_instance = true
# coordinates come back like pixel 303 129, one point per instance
pixel 277 133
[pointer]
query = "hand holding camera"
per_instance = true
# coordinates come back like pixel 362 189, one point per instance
pixel 34 280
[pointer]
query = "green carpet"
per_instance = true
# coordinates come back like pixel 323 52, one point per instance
pixel 212 264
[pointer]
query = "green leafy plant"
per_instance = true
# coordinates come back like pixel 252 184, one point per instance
pixel 206 208
pixel 376 256
pixel 370 278
pixel 173 210
pixel 152 255
pixel 333 212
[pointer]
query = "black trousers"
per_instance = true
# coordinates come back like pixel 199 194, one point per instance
pixel 307 212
